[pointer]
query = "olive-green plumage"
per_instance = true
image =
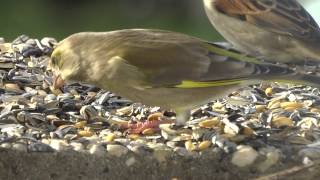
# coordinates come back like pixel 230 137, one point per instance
pixel 160 68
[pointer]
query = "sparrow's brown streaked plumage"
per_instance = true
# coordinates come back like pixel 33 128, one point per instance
pixel 278 30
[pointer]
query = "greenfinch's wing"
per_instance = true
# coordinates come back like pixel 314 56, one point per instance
pixel 172 59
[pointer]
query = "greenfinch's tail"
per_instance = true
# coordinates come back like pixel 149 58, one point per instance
pixel 299 79
pixel 279 73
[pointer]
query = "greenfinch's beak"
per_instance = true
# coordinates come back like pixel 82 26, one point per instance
pixel 58 82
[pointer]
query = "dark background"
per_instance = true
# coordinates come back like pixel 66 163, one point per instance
pixel 60 18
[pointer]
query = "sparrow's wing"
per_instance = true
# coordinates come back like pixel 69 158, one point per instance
pixel 286 17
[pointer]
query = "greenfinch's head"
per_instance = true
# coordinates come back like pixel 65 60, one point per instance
pixel 64 63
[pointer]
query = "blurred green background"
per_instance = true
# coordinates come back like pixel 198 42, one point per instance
pixel 60 18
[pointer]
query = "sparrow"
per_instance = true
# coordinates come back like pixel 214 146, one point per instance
pixel 161 68
pixel 274 30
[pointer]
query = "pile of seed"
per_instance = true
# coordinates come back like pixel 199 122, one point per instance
pixel 261 125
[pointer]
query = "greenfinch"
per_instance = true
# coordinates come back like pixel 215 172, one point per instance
pixel 161 68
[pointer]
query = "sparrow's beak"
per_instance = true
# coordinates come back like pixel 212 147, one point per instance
pixel 58 82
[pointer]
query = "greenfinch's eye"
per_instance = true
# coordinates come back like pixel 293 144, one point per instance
pixel 56 59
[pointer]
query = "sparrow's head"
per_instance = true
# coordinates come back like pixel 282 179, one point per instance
pixel 64 63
